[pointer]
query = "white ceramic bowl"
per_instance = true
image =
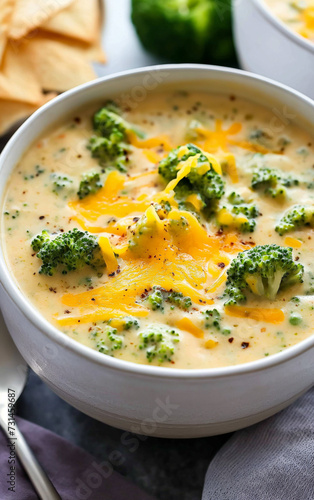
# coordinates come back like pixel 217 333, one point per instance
pixel 146 399
pixel 265 45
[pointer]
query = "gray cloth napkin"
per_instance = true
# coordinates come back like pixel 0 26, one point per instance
pixel 273 460
pixel 75 474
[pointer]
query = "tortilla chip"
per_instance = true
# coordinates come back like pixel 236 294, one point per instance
pixel 30 14
pixel 18 81
pixel 13 112
pixel 6 9
pixel 91 52
pixel 57 66
pixel 81 21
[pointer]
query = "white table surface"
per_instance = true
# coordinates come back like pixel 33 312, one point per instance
pixel 120 42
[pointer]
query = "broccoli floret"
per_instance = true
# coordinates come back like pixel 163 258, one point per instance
pixel 108 122
pixel 297 217
pixel 40 240
pixel 144 228
pixel 179 300
pixel 109 152
pixel 159 342
pixel 155 300
pixel 209 186
pixel 240 217
pixel 89 184
pixel 213 320
pixel 130 323
pixel 110 144
pixel 60 183
pixel 264 270
pixel 158 297
pixel 272 182
pixel 235 198
pixel 109 342
pixel 67 251
pixel 163 26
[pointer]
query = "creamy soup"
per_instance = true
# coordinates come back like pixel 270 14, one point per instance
pixel 298 15
pixel 166 198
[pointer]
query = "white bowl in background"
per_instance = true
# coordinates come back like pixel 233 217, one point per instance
pixel 265 45
pixel 144 399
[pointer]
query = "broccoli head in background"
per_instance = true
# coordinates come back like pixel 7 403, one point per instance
pixel 264 270
pixel 110 144
pixel 297 217
pixel 272 182
pixel 67 251
pixel 186 30
pixel 159 342
pixel 209 186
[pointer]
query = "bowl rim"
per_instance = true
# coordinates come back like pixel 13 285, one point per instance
pixel 279 24
pixel 10 286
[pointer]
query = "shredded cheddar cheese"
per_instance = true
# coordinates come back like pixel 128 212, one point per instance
pixel 275 316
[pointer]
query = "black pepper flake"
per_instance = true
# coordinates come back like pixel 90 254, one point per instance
pixel 222 265
pixel 41 217
pixel 245 345
pixel 67 311
pixel 231 340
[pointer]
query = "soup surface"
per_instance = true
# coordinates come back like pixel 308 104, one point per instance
pixel 156 277
pixel 298 15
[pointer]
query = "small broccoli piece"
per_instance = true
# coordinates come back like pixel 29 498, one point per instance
pixel 158 297
pixel 109 152
pixel 179 300
pixel 159 342
pixel 297 217
pixel 235 198
pixel 144 228
pixel 130 323
pixel 209 186
pixel 110 144
pixel 264 270
pixel 162 28
pixel 109 342
pixel 155 300
pixel 241 217
pixel 40 240
pixel 107 122
pixel 272 182
pixel 60 183
pixel 89 184
pixel 295 319
pixel 69 251
pixel 213 320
